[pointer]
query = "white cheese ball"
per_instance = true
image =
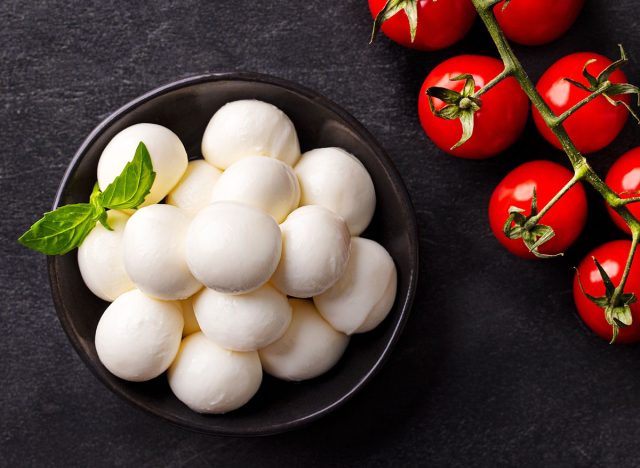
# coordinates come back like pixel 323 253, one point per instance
pixel 243 322
pixel 190 322
pixel 100 259
pixel 265 183
pixel 249 128
pixel 211 379
pixel 137 337
pixel 309 347
pixel 232 247
pixel 154 252
pixel 364 295
pixel 315 250
pixel 193 191
pixel 168 156
pixel 337 180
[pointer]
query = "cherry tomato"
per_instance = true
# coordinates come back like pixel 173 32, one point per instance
pixel 440 24
pixel 624 176
pixel 567 217
pixel 593 126
pixel 535 22
pixel 498 123
pixel 613 257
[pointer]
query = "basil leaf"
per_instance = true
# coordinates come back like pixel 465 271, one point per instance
pixel 130 188
pixel 60 231
pixel 99 212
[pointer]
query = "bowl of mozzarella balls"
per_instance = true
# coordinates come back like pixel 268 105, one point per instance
pixel 267 274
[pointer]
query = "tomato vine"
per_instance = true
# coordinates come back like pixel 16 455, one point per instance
pixel 462 106
pixel 581 167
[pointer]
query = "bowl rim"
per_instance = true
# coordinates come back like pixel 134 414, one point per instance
pixel 392 171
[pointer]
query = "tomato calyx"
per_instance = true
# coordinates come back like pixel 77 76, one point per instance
pixel 534 235
pixel 391 8
pixel 601 83
pixel 617 310
pixel 459 105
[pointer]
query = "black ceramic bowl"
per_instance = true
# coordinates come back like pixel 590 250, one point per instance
pixel 186 107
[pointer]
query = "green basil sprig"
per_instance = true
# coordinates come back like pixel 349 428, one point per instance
pixel 64 229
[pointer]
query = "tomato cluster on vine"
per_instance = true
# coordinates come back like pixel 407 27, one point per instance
pixel 473 107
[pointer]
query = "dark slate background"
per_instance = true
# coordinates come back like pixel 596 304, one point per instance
pixel 494 368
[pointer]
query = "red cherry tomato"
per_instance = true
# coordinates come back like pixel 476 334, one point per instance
pixel 567 217
pixel 593 126
pixel 624 176
pixel 613 257
pixel 498 123
pixel 440 24
pixel 535 22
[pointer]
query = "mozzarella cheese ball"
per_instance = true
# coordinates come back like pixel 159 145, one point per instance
pixel 232 247
pixel 193 191
pixel 364 295
pixel 137 337
pixel 190 322
pixel 249 128
pixel 100 259
pixel 211 379
pixel 309 347
pixel 315 250
pixel 154 252
pixel 243 322
pixel 335 179
pixel 265 183
pixel 168 156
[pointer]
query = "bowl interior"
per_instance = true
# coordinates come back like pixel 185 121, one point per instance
pixel 186 107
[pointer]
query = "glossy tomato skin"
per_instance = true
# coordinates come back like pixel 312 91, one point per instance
pixel 498 123
pixel 593 126
pixel 567 217
pixel 536 22
pixel 624 176
pixel 613 257
pixel 440 23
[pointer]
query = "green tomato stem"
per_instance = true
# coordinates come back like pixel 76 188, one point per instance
pixel 626 201
pixel 625 274
pixel 556 121
pixel 507 72
pixel 579 174
pixel 582 169
pixel 489 4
